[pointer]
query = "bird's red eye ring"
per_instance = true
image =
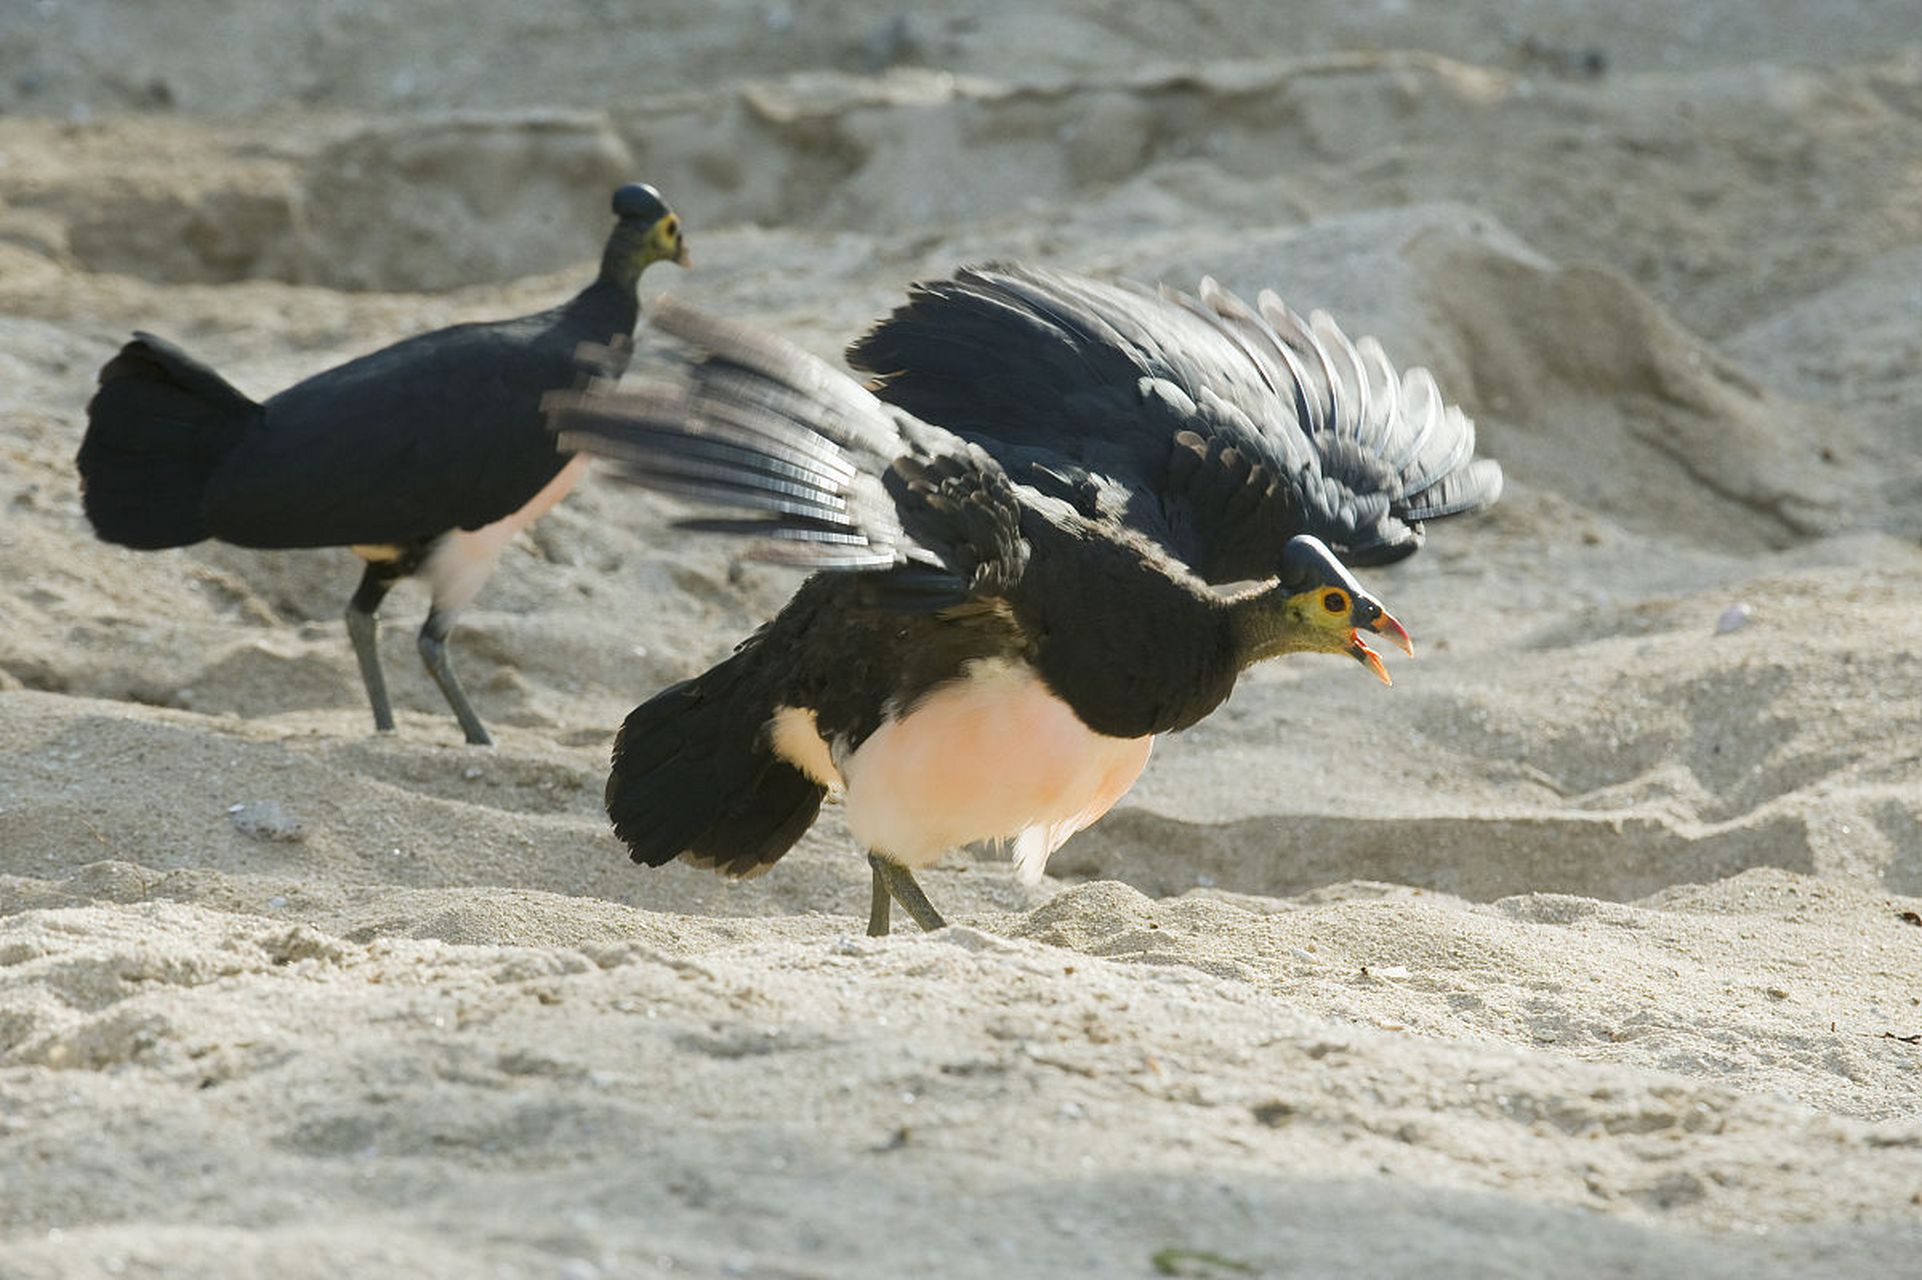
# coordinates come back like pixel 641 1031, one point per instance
pixel 1335 602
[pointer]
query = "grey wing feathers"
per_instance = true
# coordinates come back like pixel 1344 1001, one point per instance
pixel 828 476
pixel 1386 451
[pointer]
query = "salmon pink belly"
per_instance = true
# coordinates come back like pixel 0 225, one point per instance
pixel 992 755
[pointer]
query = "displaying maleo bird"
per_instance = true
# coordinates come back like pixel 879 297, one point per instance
pixel 425 457
pixel 1023 555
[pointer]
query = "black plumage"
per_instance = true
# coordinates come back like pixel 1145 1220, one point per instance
pixel 408 455
pixel 1218 429
pixel 1051 639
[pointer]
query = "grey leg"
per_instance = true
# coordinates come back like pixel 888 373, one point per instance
pixel 880 904
pixel 363 629
pixel 433 652
pixel 892 880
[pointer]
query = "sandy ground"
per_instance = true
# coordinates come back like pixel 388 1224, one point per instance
pixel 1593 947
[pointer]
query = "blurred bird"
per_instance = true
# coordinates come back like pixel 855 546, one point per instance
pixel 1018 601
pixel 425 457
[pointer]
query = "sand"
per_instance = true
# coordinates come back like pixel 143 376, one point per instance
pixel 1592 948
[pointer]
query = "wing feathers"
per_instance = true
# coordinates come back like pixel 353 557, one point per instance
pixel 1319 433
pixel 805 459
pixel 1386 451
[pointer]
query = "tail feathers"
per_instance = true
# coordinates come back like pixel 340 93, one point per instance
pixel 694 777
pixel 157 429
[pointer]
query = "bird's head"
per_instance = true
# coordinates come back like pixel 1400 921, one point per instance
pixel 1314 606
pixel 645 232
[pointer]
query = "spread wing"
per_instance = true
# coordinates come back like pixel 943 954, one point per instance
pixel 1216 428
pixel 824 474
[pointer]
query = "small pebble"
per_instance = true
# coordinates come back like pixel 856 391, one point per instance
pixel 1734 618
pixel 265 820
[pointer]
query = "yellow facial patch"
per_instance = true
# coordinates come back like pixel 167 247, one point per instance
pixel 664 242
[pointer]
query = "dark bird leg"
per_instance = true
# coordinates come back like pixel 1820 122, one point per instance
pixel 363 628
pixel 433 652
pixel 894 882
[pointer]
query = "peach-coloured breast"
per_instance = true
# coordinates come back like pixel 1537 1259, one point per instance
pixel 991 756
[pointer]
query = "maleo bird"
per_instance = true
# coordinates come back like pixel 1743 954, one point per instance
pixel 986 657
pixel 424 457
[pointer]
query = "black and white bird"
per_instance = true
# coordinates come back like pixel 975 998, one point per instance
pixel 1015 602
pixel 425 457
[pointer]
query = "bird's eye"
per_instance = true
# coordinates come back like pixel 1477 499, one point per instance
pixel 1335 602
pixel 673 226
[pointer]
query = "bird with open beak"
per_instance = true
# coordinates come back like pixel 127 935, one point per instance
pixel 992 643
